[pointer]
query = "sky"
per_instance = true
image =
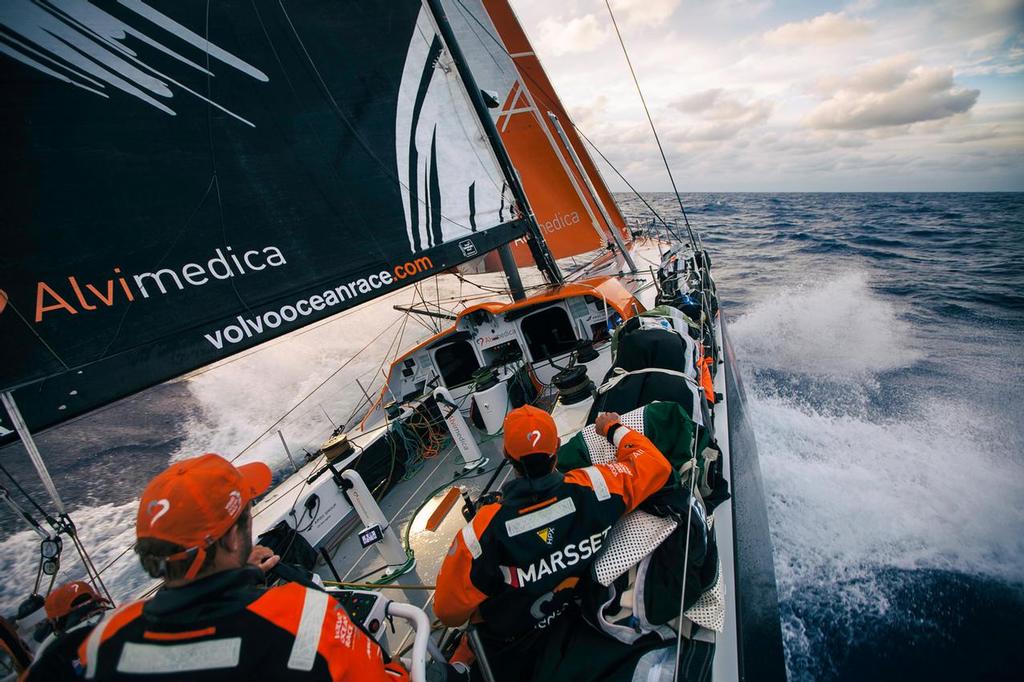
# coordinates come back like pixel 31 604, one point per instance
pixel 765 95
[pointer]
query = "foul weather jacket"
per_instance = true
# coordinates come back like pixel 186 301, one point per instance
pixel 517 563
pixel 226 627
pixel 57 657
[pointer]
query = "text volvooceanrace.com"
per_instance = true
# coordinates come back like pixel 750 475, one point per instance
pixel 250 327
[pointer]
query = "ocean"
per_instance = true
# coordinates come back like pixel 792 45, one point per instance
pixel 882 341
pixel 880 336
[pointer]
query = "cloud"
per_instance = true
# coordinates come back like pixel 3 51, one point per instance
pixel 831 27
pixel 739 8
pixel 644 12
pixel 982 133
pixel 579 34
pixel 882 76
pixel 721 115
pixel 888 95
pixel 719 104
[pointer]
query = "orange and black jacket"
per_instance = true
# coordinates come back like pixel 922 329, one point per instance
pixel 226 627
pixel 515 566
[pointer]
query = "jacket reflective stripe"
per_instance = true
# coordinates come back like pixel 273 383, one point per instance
pixel 151 659
pixel 307 637
pixel 472 543
pixel 541 517
pixel 92 644
pixel 597 480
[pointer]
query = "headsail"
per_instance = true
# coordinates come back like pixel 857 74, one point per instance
pixel 567 212
pixel 184 182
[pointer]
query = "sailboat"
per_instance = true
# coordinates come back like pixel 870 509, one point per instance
pixel 185 183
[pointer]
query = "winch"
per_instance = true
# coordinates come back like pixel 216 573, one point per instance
pixel 573 385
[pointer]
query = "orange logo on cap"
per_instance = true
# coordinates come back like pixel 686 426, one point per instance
pixel 534 437
pixel 164 506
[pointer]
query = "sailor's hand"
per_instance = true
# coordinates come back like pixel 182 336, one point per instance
pixel 263 558
pixel 605 421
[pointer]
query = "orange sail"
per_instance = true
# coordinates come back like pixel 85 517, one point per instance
pixel 570 217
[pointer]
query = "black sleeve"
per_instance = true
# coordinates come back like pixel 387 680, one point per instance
pixel 59 661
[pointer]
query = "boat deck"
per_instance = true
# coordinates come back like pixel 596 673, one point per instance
pixel 411 502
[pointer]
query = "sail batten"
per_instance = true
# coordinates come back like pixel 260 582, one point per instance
pixel 182 187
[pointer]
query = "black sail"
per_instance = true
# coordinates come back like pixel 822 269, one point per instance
pixel 185 180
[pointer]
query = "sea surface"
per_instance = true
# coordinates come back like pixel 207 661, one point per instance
pixel 882 341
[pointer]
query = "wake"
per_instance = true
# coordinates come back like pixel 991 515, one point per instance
pixel 854 486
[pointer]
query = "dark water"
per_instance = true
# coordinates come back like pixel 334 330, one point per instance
pixel 881 336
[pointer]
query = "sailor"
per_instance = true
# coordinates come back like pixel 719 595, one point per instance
pixel 72 610
pixel 514 568
pixel 213 619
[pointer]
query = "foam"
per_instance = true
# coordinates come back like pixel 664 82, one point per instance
pixel 106 530
pixel 836 328
pixel 850 493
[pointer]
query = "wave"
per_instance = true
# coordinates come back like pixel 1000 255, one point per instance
pixel 107 531
pixel 836 328
pixel 859 484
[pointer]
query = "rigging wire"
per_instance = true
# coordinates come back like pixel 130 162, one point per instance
pixel 318 386
pixel 650 120
pixel 31 500
pixel 667 225
pixel 540 88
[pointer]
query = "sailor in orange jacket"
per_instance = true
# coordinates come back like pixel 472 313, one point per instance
pixel 213 620
pixel 515 565
pixel 72 609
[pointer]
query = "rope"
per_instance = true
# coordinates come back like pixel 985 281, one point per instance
pixel 651 121
pixel 689 507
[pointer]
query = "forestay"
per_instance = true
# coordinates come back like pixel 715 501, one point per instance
pixel 187 180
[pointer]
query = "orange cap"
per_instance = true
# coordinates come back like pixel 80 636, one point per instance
pixel 67 598
pixel 529 430
pixel 196 501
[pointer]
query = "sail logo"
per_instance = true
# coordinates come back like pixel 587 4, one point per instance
pixel 560 221
pixel 89 49
pixel 317 304
pixel 76 297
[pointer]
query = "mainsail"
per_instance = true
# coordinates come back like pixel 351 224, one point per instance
pixel 187 180
pixel 571 217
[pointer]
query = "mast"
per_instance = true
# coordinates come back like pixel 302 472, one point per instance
pixel 541 255
pixel 515 282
